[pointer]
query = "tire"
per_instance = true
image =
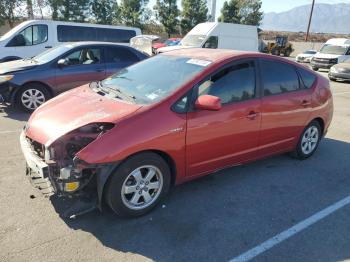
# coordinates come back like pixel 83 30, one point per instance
pixel 332 79
pixel 126 190
pixel 314 68
pixel 36 91
pixel 287 53
pixel 275 51
pixel 308 143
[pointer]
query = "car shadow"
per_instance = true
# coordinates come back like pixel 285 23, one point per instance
pixel 13 113
pixel 210 218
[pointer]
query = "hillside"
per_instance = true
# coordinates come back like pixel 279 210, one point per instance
pixel 327 18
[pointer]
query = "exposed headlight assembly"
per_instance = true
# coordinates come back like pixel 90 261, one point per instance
pixel 5 78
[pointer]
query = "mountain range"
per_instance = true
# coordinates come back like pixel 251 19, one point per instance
pixel 327 18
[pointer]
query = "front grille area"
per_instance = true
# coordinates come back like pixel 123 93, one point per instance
pixel 38 148
pixel 325 60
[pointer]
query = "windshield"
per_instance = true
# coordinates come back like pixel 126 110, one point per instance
pixel 155 78
pixel 51 54
pixel 334 50
pixel 193 40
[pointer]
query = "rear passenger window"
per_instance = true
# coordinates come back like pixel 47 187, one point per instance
pixel 233 84
pixel 120 55
pixel 307 78
pixel 278 77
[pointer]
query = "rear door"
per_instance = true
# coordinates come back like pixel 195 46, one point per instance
pixel 216 139
pixel 119 57
pixel 286 106
pixel 84 65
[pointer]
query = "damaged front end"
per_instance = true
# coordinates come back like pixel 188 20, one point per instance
pixel 56 169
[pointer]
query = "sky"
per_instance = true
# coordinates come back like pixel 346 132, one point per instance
pixel 272 5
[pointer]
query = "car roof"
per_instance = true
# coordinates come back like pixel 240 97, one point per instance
pixel 83 43
pixel 213 55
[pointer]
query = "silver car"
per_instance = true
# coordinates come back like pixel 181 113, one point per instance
pixel 340 71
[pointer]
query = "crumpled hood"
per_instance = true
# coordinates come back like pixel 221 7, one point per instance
pixel 74 109
pixel 14 66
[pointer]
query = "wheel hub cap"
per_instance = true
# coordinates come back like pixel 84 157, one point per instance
pixel 32 98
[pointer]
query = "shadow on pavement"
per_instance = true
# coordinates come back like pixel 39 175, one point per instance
pixel 219 216
pixel 13 113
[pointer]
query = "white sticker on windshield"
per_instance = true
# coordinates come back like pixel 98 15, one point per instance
pixel 198 62
pixel 152 96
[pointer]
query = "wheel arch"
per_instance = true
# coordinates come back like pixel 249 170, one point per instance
pixel 320 122
pixel 101 188
pixel 15 91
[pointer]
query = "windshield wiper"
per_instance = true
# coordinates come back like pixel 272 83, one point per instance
pixel 116 91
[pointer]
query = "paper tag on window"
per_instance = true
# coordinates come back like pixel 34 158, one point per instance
pixel 198 62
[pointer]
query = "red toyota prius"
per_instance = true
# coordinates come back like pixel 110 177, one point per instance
pixel 170 119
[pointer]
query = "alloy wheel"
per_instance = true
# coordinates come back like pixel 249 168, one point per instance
pixel 309 140
pixel 142 187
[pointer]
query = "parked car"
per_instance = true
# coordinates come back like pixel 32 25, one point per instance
pixel 306 56
pixel 131 137
pixel 340 71
pixel 28 83
pixel 219 35
pixel 33 37
pixel 168 42
pixel 334 51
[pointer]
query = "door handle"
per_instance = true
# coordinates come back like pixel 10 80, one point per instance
pixel 48 46
pixel 252 115
pixel 305 103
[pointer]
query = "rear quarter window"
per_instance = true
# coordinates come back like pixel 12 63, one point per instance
pixel 307 78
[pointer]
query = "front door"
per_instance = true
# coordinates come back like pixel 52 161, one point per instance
pixel 216 139
pixel 83 65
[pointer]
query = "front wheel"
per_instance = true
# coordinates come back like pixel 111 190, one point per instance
pixel 138 185
pixel 315 68
pixel 32 96
pixel 308 141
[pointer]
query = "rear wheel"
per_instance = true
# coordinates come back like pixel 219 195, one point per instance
pixel 30 97
pixel 287 53
pixel 138 185
pixel 308 141
pixel 314 68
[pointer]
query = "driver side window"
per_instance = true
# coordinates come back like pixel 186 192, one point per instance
pixel 85 56
pixel 32 35
pixel 212 42
pixel 232 84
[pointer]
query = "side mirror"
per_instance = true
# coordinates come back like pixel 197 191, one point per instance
pixel 62 62
pixel 208 102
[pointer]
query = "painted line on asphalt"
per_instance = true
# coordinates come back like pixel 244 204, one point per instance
pixel 10 131
pixel 250 254
pixel 341 93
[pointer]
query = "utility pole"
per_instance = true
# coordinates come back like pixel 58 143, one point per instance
pixel 213 10
pixel 308 27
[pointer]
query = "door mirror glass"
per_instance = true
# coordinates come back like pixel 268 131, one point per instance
pixel 208 102
pixel 62 62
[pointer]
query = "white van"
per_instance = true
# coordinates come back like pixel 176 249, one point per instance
pixel 219 35
pixel 334 51
pixel 35 36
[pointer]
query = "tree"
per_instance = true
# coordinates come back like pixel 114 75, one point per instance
pixel 69 10
pixel 7 11
pixel 250 12
pixel 131 12
pixel 193 13
pixel 167 14
pixel 241 12
pixel 30 9
pixel 230 12
pixel 104 11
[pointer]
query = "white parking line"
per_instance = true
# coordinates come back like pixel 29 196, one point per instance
pixel 10 131
pixel 341 93
pixel 250 254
